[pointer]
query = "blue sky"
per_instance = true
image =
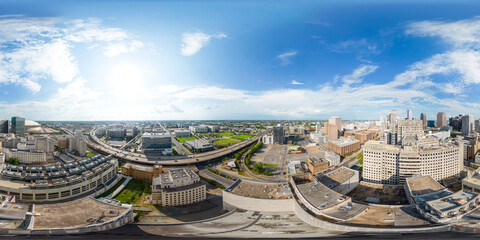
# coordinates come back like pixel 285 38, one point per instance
pixel 153 60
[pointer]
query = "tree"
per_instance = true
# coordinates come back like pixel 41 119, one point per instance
pixel 258 167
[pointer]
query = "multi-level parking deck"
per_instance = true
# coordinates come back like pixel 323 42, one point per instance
pixel 58 182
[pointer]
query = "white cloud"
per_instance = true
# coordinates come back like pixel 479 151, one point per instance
pixel 358 74
pixel 294 82
pixel 118 48
pixel 193 42
pixel 462 61
pixel 285 57
pixel 35 49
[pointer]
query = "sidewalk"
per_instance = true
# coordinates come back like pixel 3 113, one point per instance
pixel 120 188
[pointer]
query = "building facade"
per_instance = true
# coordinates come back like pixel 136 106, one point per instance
pixel 178 187
pixel 390 164
pixel 141 172
pixel 278 134
pixel 344 146
pixel 157 142
pixel 423 117
pixel 468 125
pixel 441 119
pixel 18 126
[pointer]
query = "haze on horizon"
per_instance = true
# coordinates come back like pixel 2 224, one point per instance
pixel 246 60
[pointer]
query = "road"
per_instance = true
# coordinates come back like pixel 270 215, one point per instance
pixel 210 175
pixel 177 144
pixel 97 144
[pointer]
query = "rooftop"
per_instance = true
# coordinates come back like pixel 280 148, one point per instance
pixel 423 185
pixel 259 190
pixel 320 195
pixel 336 177
pixel 344 142
pixel 452 201
pixel 76 213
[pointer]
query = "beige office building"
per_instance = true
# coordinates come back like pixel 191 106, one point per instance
pixel 392 164
pixel 178 187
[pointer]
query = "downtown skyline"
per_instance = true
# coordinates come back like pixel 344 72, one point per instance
pixel 237 60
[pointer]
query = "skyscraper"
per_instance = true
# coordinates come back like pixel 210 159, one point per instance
pixel 18 126
pixel 409 114
pixel 337 121
pixel 278 134
pixel 441 119
pixel 423 117
pixel 3 126
pixel 468 124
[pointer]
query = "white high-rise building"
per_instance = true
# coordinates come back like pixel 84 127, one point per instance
pixel 392 164
pixel 468 124
pixel 409 114
pixel 45 144
pixel 77 143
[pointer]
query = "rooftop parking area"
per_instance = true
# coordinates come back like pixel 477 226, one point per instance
pixel 320 195
pixel 423 185
pixel 260 190
pixel 336 177
pixel 82 212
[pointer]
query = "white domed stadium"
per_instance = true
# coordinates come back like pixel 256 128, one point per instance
pixel 32 127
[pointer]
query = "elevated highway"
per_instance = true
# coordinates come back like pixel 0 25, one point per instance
pixel 95 143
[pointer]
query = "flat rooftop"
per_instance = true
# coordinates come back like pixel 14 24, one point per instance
pixel 452 201
pixel 259 190
pixel 344 142
pixel 423 185
pixel 77 213
pixel 337 177
pixel 320 195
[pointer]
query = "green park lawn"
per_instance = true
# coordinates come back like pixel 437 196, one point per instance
pixel 270 165
pixel 226 134
pixel 133 191
pixel 225 141
pixel 242 137
pixel 185 139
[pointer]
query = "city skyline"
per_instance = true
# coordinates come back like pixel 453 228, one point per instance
pixel 245 60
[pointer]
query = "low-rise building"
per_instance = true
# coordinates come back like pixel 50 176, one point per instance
pixel 141 172
pixel 317 165
pixel 267 139
pixel 319 137
pixel 26 157
pixel 199 145
pixel 344 146
pixel 178 187
pixel 161 142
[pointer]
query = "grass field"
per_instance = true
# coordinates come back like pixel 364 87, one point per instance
pixel 89 154
pixel 242 137
pixel 185 139
pixel 133 191
pixel 226 134
pixel 270 165
pixel 225 141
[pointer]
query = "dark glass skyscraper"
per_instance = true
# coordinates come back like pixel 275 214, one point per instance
pixel 18 126
pixel 3 126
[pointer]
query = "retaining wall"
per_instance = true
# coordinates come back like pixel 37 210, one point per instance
pixel 232 201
